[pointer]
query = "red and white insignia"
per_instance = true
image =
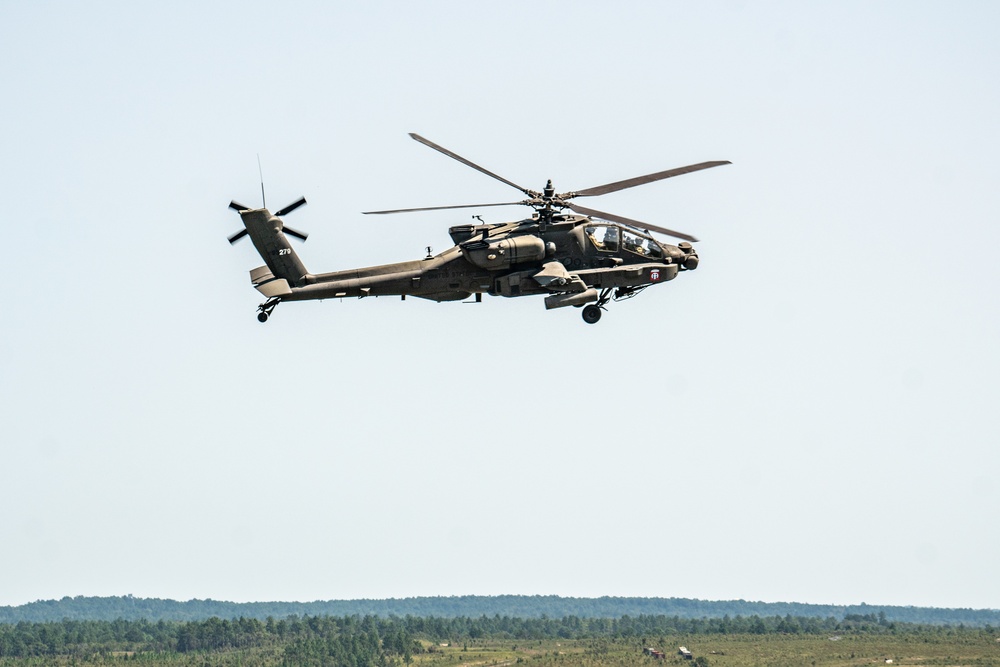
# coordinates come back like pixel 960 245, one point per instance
pixel 654 274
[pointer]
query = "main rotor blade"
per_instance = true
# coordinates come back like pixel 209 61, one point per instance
pixel 628 221
pixel 294 232
pixel 236 206
pixel 442 208
pixel 237 236
pixel 442 149
pixel 641 180
pixel 291 207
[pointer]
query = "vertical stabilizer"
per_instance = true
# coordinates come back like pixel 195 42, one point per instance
pixel 270 236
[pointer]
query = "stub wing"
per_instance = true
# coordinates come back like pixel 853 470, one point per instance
pixel 629 275
pixel 556 278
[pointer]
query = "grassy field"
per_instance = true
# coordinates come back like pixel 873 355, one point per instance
pixel 718 651
pixel 730 651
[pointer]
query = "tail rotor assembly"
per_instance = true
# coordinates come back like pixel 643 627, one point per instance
pixel 244 210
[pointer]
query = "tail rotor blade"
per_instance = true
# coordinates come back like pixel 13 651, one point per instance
pixel 237 236
pixel 291 207
pixel 236 206
pixel 294 232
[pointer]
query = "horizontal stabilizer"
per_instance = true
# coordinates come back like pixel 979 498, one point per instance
pixel 276 287
pixel 267 284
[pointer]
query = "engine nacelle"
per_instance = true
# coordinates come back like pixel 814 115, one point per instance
pixel 462 233
pixel 504 253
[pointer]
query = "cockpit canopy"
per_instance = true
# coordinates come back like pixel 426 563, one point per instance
pixel 609 238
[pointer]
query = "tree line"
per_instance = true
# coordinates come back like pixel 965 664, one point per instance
pixel 522 606
pixel 370 641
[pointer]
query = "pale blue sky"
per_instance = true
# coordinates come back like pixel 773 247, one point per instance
pixel 811 416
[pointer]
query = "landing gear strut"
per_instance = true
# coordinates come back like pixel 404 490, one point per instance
pixel 264 309
pixel 592 313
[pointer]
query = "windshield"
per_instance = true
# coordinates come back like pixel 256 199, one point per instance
pixel 604 237
pixel 641 245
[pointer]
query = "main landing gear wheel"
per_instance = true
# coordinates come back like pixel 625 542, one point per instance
pixel 262 317
pixel 591 314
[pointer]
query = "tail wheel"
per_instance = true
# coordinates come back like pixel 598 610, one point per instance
pixel 264 309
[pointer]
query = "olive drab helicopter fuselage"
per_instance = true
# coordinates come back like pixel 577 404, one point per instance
pixel 585 258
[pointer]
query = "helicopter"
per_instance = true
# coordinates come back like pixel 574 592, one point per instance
pixel 570 254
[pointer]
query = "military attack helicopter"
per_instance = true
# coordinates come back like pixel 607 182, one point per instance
pixel 583 260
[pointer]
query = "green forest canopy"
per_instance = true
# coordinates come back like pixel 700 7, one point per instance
pixel 372 641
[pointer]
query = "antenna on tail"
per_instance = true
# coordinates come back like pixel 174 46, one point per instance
pixel 260 171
